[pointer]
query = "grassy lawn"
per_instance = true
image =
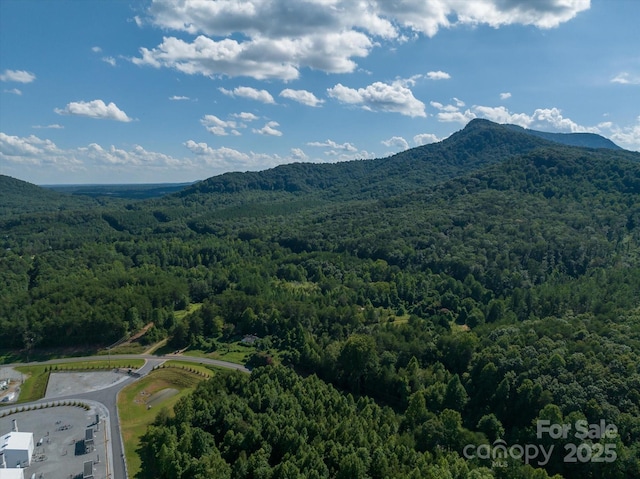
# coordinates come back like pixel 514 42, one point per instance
pixel 189 366
pixel 128 348
pixel 35 386
pixel 190 309
pixel 232 352
pixel 135 416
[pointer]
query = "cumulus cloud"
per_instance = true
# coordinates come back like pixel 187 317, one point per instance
pixel 379 96
pixel 298 155
pixel 627 137
pixel 179 98
pixel 14 91
pixel 334 151
pixel 219 127
pixel 396 142
pixel 17 76
pixel 228 159
pixel 94 109
pixel 505 96
pixel 251 93
pixel 626 78
pixel 278 38
pixel 452 113
pixel 334 146
pixel 269 129
pixel 301 96
pixel 439 75
pixel 425 139
pixel 32 150
pixel 245 116
pixel 84 163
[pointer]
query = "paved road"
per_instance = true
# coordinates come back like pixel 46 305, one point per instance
pixel 108 397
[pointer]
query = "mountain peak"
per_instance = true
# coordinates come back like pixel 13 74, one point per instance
pixel 583 139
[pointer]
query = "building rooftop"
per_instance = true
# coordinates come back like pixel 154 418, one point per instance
pixel 11 473
pixel 16 441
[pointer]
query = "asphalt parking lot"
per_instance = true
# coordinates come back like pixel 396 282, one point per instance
pixel 60 449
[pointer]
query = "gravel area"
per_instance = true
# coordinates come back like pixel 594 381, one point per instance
pixel 70 383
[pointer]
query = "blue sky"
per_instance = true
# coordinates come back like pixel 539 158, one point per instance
pixel 172 91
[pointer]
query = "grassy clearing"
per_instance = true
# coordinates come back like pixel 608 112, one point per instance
pixel 190 309
pixel 127 348
pixel 232 352
pixel 404 319
pixel 35 386
pixel 189 366
pixel 134 414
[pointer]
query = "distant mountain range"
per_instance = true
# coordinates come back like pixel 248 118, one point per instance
pixel 480 143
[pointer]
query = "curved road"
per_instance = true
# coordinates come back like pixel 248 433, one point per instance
pixel 108 397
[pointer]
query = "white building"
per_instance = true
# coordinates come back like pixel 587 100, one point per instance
pixel 11 473
pixel 17 448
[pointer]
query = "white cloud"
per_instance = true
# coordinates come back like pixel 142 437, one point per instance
pixel 251 93
pixel 505 96
pixel 228 159
pixel 110 60
pixel 425 139
pixel 53 126
pixel 541 117
pixel 627 137
pixel 626 78
pixel 245 116
pixel 35 151
pixel 439 75
pixel 18 76
pixel 179 98
pixel 334 151
pixel 298 155
pixel 269 129
pixel 94 109
pixel 301 96
pixel 219 127
pixel 96 49
pixel 14 91
pixel 452 113
pixel 380 96
pixel 278 38
pixel 334 146
pixel 397 142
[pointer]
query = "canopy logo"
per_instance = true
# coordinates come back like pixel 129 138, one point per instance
pixel 538 454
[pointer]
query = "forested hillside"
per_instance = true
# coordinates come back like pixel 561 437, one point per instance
pixel 453 294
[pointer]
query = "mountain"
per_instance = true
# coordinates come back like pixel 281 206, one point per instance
pixel 480 143
pixel 19 197
pixel 584 140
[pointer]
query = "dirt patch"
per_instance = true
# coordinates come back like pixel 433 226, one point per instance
pixel 161 396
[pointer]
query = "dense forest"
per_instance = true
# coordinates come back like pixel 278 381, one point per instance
pixel 451 295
